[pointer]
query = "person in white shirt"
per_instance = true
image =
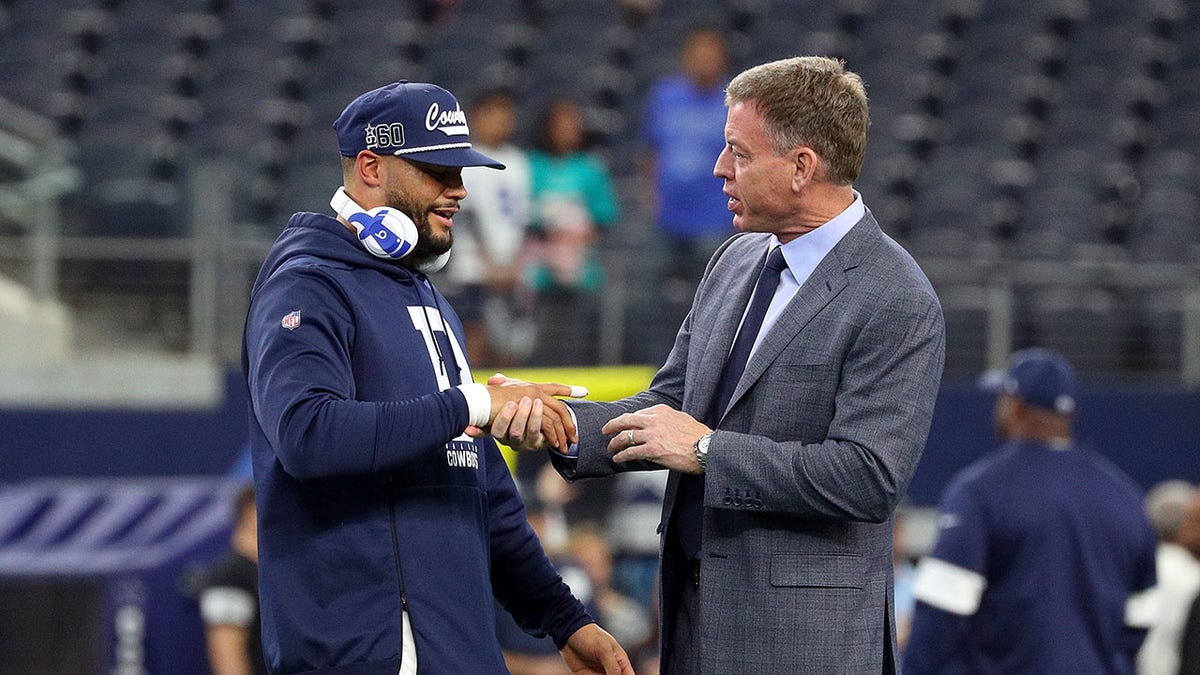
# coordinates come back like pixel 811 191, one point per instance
pixel 486 268
pixel 1178 577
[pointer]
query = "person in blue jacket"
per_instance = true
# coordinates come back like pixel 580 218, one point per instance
pixel 1044 558
pixel 385 529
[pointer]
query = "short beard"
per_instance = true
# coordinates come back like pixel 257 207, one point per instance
pixel 427 246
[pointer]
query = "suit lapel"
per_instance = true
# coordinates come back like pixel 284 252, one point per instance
pixel 825 283
pixel 729 317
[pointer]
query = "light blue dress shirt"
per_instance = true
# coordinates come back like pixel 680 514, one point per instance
pixel 803 254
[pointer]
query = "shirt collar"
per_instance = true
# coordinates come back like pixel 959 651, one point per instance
pixel 805 252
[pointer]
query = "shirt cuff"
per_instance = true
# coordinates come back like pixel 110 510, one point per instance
pixel 573 449
pixel 479 403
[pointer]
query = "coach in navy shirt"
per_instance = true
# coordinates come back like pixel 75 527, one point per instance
pixel 1044 556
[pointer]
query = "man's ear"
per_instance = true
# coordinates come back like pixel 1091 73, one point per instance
pixel 1020 409
pixel 806 166
pixel 368 166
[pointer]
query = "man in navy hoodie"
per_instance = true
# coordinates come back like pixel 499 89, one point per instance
pixel 385 530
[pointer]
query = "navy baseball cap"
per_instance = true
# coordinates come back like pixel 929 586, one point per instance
pixel 1043 379
pixel 409 119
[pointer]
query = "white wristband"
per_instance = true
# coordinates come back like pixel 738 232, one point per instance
pixel 479 403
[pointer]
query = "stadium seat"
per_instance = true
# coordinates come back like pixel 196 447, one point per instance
pixel 1161 312
pixel 1061 131
pixel 966 314
pixel 1081 323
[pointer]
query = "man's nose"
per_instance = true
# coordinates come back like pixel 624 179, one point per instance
pixel 721 168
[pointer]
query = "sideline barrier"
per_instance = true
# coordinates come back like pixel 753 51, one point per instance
pixel 112 557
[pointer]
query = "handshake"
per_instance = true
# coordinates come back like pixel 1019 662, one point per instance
pixel 527 416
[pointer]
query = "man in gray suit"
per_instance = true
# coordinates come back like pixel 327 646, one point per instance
pixel 793 407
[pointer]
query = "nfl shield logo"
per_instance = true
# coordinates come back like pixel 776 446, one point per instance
pixel 291 321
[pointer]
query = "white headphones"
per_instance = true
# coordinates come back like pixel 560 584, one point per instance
pixel 385 232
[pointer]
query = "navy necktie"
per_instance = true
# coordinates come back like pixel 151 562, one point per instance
pixel 690 500
pixel 735 365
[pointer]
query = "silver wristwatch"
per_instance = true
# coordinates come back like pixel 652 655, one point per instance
pixel 702 450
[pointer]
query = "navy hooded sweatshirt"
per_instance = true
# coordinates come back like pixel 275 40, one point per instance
pixel 370 497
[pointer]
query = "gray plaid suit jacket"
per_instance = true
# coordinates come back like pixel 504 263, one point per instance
pixel 812 455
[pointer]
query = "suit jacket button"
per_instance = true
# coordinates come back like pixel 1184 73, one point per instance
pixel 758 503
pixel 727 501
pixel 737 501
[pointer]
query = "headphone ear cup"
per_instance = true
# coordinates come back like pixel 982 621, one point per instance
pixel 434 264
pixel 386 232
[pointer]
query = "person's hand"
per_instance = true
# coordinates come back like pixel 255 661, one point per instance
pixel 592 650
pixel 660 434
pixel 527 416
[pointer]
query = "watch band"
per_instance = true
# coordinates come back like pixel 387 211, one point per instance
pixel 701 448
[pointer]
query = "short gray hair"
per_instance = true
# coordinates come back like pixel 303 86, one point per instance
pixel 1166 504
pixel 810 101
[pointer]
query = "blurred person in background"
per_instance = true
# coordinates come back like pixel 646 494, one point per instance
pixel 626 619
pixel 1044 561
pixel 633 519
pixel 905 574
pixel 682 130
pixel 573 199
pixel 794 406
pixel 228 598
pixel 1188 537
pixel 1178 574
pixel 385 530
pixel 490 229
